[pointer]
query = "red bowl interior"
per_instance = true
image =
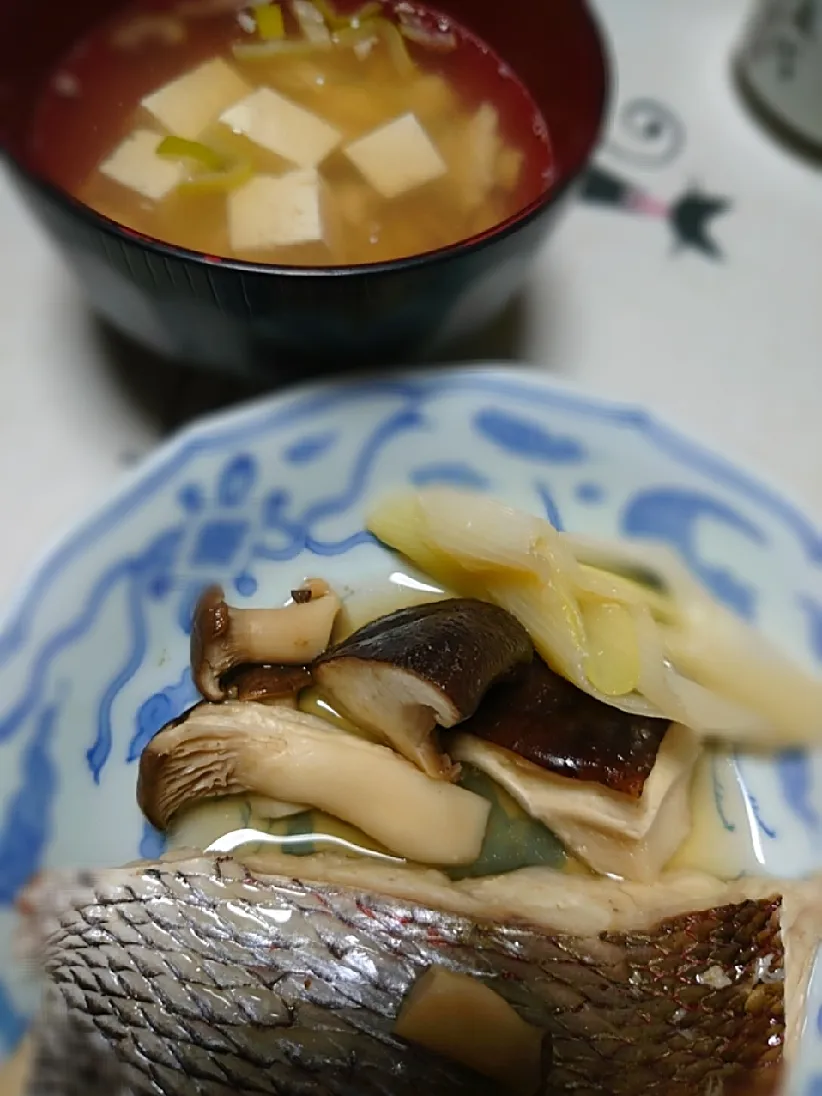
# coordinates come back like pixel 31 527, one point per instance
pixel 552 45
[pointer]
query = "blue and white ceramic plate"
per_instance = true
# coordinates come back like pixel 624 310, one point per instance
pixel 93 660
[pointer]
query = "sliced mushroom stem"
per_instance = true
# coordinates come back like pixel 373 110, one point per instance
pixel 235 747
pixel 223 637
pixel 296 633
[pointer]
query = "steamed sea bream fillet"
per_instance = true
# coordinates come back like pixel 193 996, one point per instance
pixel 208 976
pixel 435 846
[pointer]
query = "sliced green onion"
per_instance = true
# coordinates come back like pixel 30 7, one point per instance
pixel 262 51
pixel 178 148
pixel 339 22
pixel 311 19
pixel 348 37
pixel 330 13
pixel 219 182
pixel 372 10
pixel 367 11
pixel 270 23
pixel 397 48
pixel 221 175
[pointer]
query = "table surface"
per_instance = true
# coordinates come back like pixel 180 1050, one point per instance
pixel 727 347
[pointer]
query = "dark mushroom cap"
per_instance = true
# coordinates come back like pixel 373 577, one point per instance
pixel 431 664
pixel 547 720
pixel 209 632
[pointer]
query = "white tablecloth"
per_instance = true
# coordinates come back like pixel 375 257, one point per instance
pixel 728 349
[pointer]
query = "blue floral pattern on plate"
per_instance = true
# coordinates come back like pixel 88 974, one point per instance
pixel 93 659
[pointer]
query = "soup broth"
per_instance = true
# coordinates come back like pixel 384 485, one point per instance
pixel 292 133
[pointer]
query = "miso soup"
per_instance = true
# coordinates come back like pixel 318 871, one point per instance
pixel 295 133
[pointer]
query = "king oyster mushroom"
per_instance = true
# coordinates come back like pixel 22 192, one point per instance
pixel 233 748
pixel 223 637
pixel 401 676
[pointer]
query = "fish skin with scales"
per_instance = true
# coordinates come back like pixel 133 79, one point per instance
pixel 199 976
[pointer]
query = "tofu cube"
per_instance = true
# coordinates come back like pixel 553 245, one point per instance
pixel 276 211
pixel 282 126
pixel 397 157
pixel 188 105
pixel 136 165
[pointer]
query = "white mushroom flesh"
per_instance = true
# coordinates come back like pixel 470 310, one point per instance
pixel 293 757
pixel 394 705
pixel 295 634
pixel 611 832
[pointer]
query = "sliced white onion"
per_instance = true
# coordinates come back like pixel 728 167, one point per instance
pixel 698 663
